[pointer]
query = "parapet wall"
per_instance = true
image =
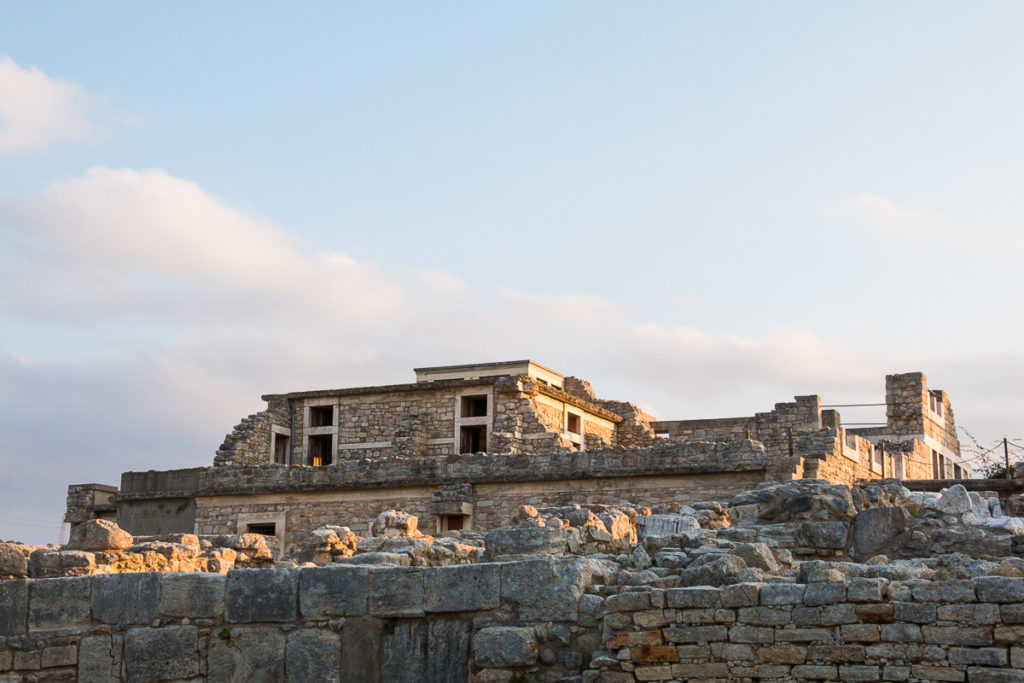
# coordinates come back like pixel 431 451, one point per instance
pixel 541 619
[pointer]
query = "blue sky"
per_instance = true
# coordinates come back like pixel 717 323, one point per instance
pixel 704 208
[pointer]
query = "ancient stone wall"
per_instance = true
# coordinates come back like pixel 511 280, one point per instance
pixel 339 623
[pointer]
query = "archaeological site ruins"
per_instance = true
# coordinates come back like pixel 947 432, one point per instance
pixel 500 523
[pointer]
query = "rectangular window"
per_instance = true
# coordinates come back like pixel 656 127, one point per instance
pixel 320 452
pixel 453 522
pixel 473 439
pixel 264 529
pixel 321 416
pixel 474 406
pixel 935 465
pixel 877 460
pixel 574 423
pixel 281 448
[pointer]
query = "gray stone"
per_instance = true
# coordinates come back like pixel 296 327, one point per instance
pixel 999 589
pixel 545 589
pixel 532 540
pixel 156 654
pixel 628 601
pixel 461 588
pixel 693 597
pixel 13 607
pixel 741 594
pixel 98 534
pixel 333 591
pixel 376 558
pixel 880 530
pixel 828 535
pixel 448 650
pixel 125 598
pixel 261 595
pixel 192 594
pixel 12 561
pixel 782 594
pixel 361 643
pixel 99 658
pixel 757 555
pixel 246 653
pixel 395 592
pixel 914 612
pixel 865 590
pixel 824 593
pixel 954 501
pixel 982 675
pixel 313 655
pixel 505 646
pixel 59 604
pixel 404 652
pixel 716 571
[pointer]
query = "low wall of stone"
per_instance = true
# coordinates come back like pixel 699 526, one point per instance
pixel 864 629
pixel 347 623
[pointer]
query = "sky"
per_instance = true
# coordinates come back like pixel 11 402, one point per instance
pixel 703 208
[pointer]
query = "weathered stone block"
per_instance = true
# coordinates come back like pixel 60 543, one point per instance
pixel 981 656
pixel 782 594
pixel 630 601
pixel 59 604
pixel 461 588
pixel 448 650
pixel 99 658
pixel 837 654
pixel 125 598
pixel 313 655
pixel 827 535
pixel 192 594
pixel 927 672
pixel 944 591
pixel 98 534
pixel 985 613
pixel 975 636
pixel 653 654
pixel 880 530
pixel 395 592
pixel 782 654
pixel 337 591
pixel 261 595
pixel 901 633
pixel 696 634
pixel 361 636
pixel 860 633
pixel 875 613
pixel 59 655
pixel 156 654
pixel 999 589
pixel 12 561
pixel 693 596
pixel 815 672
pixel 763 616
pixel 981 675
pixel 859 673
pixel 914 612
pixel 633 639
pixel 533 540
pixel 544 590
pixel 13 607
pixel 246 653
pixel 505 646
pixel 743 633
pixel 865 590
pixel 824 593
pixel 741 594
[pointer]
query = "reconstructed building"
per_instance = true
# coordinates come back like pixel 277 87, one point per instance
pixel 464 446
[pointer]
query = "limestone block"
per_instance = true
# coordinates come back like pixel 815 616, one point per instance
pixel 404 652
pixel 333 591
pixel 866 590
pixel 535 540
pixel 376 558
pixel 824 593
pixel 246 653
pixel 362 636
pixel 99 658
pixel 815 672
pixel 125 598
pixel 59 655
pixel 12 561
pixel 999 589
pixel 313 655
pixel 98 534
pixel 505 646
pixel 954 501
pixel 982 675
pixel 396 592
pixel 985 613
pixel 716 571
pixel 59 604
pixel 188 594
pixel 155 654
pixel 13 607
pixel 544 589
pixel 448 650
pixel 828 535
pixel 757 555
pixel 261 595
pixel 858 672
pixel 783 594
pixel 693 597
pixel 392 523
pixel 741 594
pixel 880 530
pixel 629 601
pixel 927 672
pixel 461 588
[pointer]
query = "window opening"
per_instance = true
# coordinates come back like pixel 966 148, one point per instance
pixel 474 406
pixel 321 416
pixel 574 423
pixel 264 529
pixel 281 443
pixel 453 522
pixel 473 439
pixel 320 453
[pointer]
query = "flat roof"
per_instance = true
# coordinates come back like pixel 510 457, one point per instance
pixel 497 365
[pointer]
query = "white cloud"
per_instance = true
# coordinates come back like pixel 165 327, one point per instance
pixel 37 111
pixel 883 213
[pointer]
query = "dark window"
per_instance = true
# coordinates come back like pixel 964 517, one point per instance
pixel 320 453
pixel 453 523
pixel 473 439
pixel 265 529
pixel 575 424
pixel 321 416
pixel 474 406
pixel 281 443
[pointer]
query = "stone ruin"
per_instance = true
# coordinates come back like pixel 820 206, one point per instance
pixel 798 581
